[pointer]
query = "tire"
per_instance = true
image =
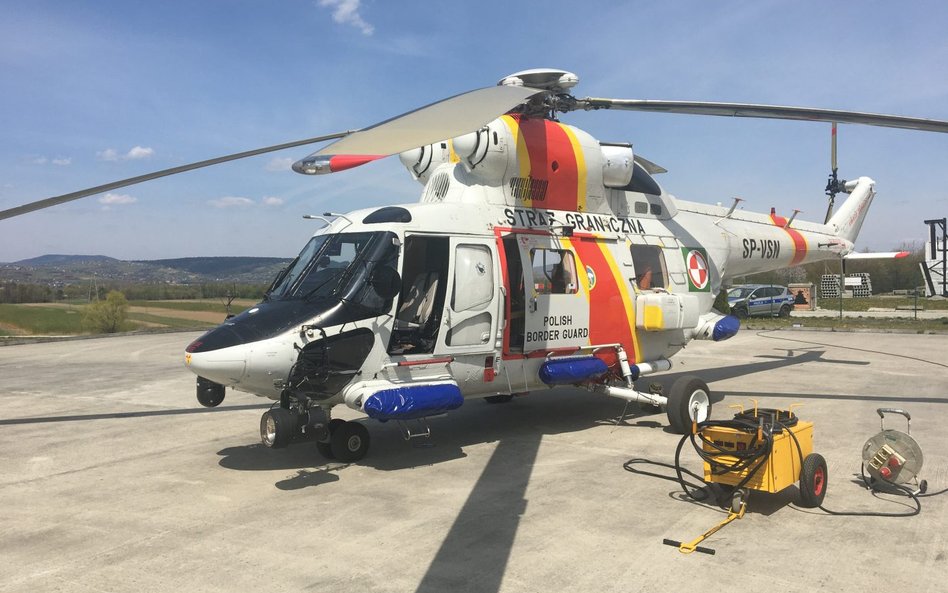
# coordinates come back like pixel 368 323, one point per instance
pixel 325 447
pixel 739 312
pixel 209 393
pixel 813 480
pixel 278 426
pixel 350 442
pixel 687 392
pixel 784 311
pixel 499 399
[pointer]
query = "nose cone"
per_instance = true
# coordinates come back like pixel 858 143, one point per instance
pixel 226 366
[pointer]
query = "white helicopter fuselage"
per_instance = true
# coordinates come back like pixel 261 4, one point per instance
pixel 535 252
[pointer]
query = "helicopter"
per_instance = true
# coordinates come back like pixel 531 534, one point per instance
pixel 536 257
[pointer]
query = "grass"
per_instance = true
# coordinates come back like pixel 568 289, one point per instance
pixel 172 322
pixel 887 302
pixel 849 323
pixel 42 320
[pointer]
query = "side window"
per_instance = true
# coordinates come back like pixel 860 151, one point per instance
pixel 649 263
pixel 473 278
pixel 554 271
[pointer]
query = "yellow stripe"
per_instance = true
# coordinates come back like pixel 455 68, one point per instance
pixel 580 169
pixel 627 301
pixel 523 155
pixel 452 156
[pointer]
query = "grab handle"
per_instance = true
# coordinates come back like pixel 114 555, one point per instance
pixel 883 411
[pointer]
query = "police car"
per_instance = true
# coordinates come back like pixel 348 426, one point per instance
pixel 748 300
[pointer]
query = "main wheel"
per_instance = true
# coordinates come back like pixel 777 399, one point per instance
pixel 209 393
pixel 350 442
pixel 325 447
pixel 813 479
pixel 784 311
pixel 278 426
pixel 689 399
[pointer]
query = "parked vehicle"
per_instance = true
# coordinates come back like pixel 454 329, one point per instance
pixel 751 300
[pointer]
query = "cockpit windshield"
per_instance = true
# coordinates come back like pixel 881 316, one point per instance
pixel 335 265
pixel 739 293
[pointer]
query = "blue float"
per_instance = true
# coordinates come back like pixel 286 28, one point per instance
pixel 725 328
pixel 413 401
pixel 569 371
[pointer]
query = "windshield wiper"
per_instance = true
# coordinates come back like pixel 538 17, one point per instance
pixel 332 277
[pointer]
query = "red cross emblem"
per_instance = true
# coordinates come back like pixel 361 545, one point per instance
pixel 697 269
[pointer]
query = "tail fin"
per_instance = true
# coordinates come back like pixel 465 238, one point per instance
pixel 847 221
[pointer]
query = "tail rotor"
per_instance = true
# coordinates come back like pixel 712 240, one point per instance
pixel 834 184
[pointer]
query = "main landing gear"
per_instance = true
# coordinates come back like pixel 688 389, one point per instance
pixel 688 401
pixel 335 439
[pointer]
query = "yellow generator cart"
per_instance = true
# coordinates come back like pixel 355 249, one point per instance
pixel 760 449
pixel 763 449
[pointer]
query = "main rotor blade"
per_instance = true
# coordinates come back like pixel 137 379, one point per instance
pixel 55 201
pixel 442 120
pixel 766 112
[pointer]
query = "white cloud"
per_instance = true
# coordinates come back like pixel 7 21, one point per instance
pixel 134 153
pixel 109 154
pixel 40 160
pixel 62 161
pixel 272 201
pixel 139 152
pixel 231 202
pixel 111 199
pixel 346 12
pixel 279 164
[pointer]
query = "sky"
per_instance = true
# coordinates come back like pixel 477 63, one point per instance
pixel 99 90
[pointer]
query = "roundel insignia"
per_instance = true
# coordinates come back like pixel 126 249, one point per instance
pixel 696 262
pixel 591 274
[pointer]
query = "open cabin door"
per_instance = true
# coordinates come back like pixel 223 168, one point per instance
pixel 554 301
pixel 472 304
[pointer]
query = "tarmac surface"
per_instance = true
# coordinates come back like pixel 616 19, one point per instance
pixel 115 479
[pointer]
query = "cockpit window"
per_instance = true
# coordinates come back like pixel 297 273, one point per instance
pixel 335 265
pixel 739 293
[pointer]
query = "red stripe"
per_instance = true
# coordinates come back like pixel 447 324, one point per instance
pixel 607 315
pixel 799 243
pixel 552 159
pixel 341 162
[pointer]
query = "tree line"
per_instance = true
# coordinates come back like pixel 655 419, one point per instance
pixel 24 292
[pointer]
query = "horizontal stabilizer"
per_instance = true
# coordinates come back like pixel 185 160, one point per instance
pixel 879 255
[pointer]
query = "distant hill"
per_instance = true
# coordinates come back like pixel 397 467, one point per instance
pixel 217 266
pixel 66 260
pixel 58 270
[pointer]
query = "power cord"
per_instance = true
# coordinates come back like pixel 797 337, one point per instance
pixel 763 424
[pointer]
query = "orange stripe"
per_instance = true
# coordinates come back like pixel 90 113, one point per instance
pixel 610 312
pixel 799 241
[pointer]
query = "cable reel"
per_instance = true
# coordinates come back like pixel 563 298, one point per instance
pixel 893 457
